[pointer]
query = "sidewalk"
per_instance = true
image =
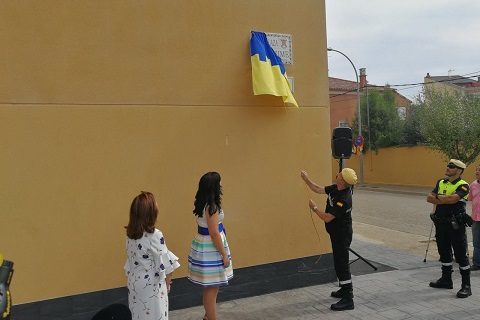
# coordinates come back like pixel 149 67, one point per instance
pixel 399 294
pixel 395 189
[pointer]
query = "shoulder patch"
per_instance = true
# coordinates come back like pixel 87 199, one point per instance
pixel 339 204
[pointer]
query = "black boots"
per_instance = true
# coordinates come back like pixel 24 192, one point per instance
pixel 343 304
pixel 466 290
pixel 340 293
pixel 445 282
pixel 346 301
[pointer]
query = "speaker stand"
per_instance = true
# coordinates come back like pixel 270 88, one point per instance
pixel 361 258
pixel 349 249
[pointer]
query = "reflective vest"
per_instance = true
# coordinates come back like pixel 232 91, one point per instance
pixel 446 188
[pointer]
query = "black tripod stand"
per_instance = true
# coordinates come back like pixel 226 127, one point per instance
pixel 359 256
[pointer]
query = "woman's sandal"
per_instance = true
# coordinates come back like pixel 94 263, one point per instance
pixel 205 317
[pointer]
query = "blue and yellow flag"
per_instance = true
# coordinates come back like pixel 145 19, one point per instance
pixel 268 71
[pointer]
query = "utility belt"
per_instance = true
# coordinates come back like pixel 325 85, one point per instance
pixel 462 219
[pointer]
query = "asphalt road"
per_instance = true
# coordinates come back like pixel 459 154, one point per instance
pixel 400 212
pixel 396 220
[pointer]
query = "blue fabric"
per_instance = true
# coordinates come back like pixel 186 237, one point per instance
pixel 268 71
pixel 259 45
pixel 204 231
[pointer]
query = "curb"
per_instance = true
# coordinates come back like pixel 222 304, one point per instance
pixel 414 191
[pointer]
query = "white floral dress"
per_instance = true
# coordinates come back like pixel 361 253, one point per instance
pixel 148 263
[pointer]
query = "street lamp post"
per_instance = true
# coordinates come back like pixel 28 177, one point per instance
pixel 358 110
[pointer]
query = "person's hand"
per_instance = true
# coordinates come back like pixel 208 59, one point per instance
pixel 304 176
pixel 169 283
pixel 226 262
pixel 311 204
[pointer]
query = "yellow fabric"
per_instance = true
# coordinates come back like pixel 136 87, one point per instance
pixel 447 188
pixel 268 79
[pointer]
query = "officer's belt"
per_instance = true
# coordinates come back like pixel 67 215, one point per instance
pixel 448 219
pixel 441 220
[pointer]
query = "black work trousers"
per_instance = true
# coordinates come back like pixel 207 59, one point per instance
pixel 448 238
pixel 341 240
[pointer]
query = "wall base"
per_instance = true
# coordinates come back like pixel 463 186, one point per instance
pixel 247 282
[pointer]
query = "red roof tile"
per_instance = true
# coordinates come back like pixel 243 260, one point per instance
pixel 336 84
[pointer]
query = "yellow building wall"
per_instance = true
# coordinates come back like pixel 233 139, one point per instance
pixel 409 166
pixel 102 99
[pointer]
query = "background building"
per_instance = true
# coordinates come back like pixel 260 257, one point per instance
pixel 452 82
pixel 343 99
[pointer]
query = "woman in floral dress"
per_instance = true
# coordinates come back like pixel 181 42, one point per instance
pixel 149 264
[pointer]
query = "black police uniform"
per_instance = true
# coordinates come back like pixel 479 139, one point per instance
pixel 450 233
pixel 339 204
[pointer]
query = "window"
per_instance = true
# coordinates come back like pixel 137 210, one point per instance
pixel 402 113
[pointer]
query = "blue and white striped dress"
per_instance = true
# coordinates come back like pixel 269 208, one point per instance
pixel 205 264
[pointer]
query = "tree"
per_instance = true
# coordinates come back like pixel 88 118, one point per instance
pixel 382 127
pixel 412 134
pixel 450 123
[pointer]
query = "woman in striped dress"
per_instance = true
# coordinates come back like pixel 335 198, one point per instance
pixel 209 261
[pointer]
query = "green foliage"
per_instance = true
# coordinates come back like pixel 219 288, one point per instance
pixel 450 123
pixel 381 126
pixel 412 134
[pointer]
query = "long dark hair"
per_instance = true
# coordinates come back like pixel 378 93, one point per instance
pixel 143 215
pixel 209 193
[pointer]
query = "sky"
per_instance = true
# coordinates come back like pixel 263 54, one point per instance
pixel 400 41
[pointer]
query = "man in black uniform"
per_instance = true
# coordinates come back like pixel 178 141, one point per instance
pixel 338 223
pixel 449 199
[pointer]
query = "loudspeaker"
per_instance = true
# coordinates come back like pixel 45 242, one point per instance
pixel 342 143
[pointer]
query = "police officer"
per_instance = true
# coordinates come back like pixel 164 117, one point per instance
pixel 338 223
pixel 449 199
